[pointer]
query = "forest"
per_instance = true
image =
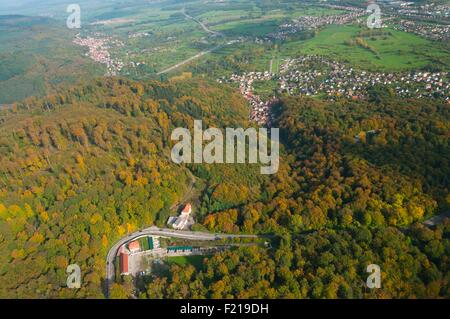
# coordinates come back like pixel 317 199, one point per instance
pixel 83 167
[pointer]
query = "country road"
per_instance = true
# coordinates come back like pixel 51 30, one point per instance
pixel 201 23
pixel 198 55
pixel 188 194
pixel 176 66
pixel 110 272
pixel 164 232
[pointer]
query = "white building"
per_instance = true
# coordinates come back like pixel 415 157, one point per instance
pixel 181 221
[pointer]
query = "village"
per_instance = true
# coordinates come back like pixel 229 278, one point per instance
pixel 428 10
pixel 315 22
pixel 260 110
pixel 99 51
pixel 299 76
pixel 409 17
pixel 401 15
pixel 431 31
pixel 316 75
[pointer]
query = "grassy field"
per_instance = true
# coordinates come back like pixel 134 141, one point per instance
pixel 265 88
pixel 314 11
pixel 276 62
pixel 398 51
pixel 249 27
pixel 217 17
pixel 196 261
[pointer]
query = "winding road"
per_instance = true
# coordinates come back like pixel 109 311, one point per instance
pixel 164 232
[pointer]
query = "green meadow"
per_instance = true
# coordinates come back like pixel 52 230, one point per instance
pixel 249 27
pixel 196 261
pixel 396 51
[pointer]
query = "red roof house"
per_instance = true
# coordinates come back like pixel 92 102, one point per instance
pixel 124 263
pixel 187 209
pixel 134 246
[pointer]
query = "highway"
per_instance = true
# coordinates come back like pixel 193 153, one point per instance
pixel 164 232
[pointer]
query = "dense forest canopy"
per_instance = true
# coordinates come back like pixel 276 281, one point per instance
pixel 81 169
pixel 84 167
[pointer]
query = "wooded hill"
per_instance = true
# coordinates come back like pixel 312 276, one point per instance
pixel 82 168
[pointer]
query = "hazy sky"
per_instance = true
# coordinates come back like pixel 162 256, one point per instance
pixel 55 8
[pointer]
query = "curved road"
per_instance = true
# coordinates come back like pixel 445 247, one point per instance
pixel 159 232
pixel 193 236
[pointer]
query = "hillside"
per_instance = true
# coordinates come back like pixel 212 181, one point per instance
pixel 37 56
pixel 356 180
pixel 84 167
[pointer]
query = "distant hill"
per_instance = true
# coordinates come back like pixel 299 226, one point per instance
pixel 37 55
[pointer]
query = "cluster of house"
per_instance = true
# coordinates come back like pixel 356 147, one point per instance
pixel 183 221
pixel 138 35
pixel 259 109
pixel 151 245
pixel 314 22
pixel 438 32
pixel 99 51
pixel 410 18
pixel 130 263
pixel 299 76
pixel 430 10
pixel 316 75
pixel 413 18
